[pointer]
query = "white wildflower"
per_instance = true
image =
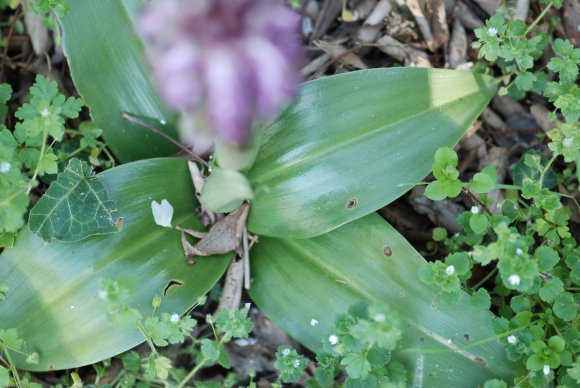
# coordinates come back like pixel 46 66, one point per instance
pixel 546 369
pixel 512 339
pixel 492 31
pixel 519 251
pixel 567 142
pixel 45 112
pixel 514 280
pixel 286 352
pixel 333 339
pixel 296 363
pixel 162 213
pixel 5 167
pixel 103 294
pixel 475 209
pixel 379 317
pixel 450 270
pixel 174 318
pixel 313 322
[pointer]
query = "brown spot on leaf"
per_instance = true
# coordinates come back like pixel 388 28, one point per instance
pixel 387 251
pixel 466 336
pixel 352 203
pixel 421 339
pixel 480 361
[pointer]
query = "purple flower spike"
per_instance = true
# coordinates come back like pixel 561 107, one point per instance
pixel 235 59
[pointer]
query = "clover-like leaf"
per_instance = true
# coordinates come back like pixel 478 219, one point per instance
pixel 74 207
pixel 484 181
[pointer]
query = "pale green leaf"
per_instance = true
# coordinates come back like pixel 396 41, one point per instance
pixel 225 190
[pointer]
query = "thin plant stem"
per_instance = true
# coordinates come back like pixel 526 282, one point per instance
pixel 192 373
pixel 486 278
pixel 540 17
pixel 147 337
pixel 133 120
pixel 546 168
pixel 42 150
pixel 13 370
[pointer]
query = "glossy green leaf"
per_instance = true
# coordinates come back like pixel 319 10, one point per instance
pixel 296 281
pixel 52 296
pixel 75 206
pixel 353 143
pixel 109 69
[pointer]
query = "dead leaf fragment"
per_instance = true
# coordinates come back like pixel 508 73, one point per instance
pixel 409 55
pixel 223 237
pixel 458 45
pixel 341 54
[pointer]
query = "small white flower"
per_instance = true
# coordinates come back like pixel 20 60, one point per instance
pixel 492 31
pixel 567 142
pixel 333 339
pixel 313 322
pixel 450 270
pixel 546 369
pixel 512 339
pixel 5 167
pixel 514 280
pixel 296 363
pixel 162 213
pixel 174 318
pixel 379 317
pixel 247 305
pixel 475 209
pixel 103 294
pixel 286 352
pixel 519 251
pixel 45 112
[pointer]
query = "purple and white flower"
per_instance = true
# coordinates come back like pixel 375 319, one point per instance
pixel 224 62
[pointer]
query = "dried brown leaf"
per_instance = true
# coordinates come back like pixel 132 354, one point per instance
pixel 341 54
pixel 403 53
pixel 457 45
pixel 223 237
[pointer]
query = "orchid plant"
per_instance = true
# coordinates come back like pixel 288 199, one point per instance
pixel 313 162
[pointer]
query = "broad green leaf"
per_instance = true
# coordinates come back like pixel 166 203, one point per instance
pixel 53 288
pixel 74 207
pixel 109 69
pixel 296 281
pixel 355 142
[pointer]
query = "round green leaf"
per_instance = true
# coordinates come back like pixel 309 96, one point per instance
pixel 550 291
pixel 478 223
pixel 53 288
pixel 565 307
